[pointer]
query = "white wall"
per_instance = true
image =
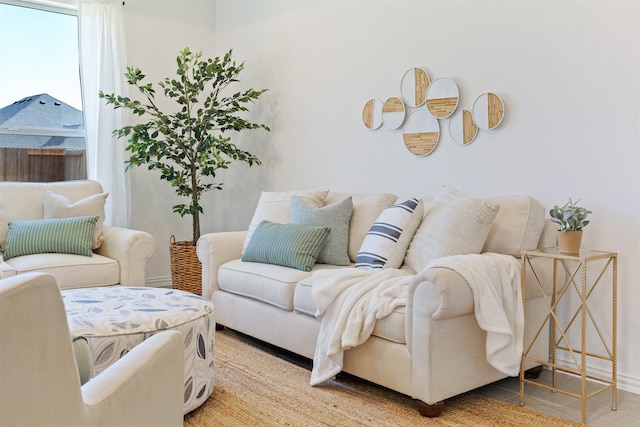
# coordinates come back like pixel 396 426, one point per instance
pixel 568 73
pixel 156 30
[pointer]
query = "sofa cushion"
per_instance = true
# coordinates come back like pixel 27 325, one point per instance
pixel 517 226
pixel 6 270
pixel 390 328
pixel 275 206
pixel 289 245
pixel 455 224
pixel 303 299
pixel 269 283
pixel 59 206
pixel 60 235
pixel 366 209
pixel 71 271
pixel 335 216
pixel 388 238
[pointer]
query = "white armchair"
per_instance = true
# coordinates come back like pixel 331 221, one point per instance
pixel 120 258
pixel 39 379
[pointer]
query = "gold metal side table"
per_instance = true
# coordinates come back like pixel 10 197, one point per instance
pixel 584 282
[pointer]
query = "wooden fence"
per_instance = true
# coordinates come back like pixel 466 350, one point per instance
pixel 42 165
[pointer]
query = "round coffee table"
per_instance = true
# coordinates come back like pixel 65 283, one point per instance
pixel 114 319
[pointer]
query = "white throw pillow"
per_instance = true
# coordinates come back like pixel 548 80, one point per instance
pixel 386 243
pixel 59 206
pixel 517 226
pixel 275 206
pixel 456 224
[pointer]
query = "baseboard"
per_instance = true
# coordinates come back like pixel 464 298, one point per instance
pixel 159 282
pixel 625 382
pixel 629 384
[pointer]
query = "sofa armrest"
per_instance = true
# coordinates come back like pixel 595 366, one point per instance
pixel 132 249
pixel 214 249
pixel 441 293
pixel 436 293
pixel 146 385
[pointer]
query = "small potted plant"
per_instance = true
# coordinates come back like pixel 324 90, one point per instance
pixel 571 219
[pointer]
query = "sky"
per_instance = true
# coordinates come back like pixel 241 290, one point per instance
pixel 38 54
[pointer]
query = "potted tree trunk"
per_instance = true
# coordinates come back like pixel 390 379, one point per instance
pixel 190 144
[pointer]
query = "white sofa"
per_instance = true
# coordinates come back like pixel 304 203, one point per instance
pixel 430 348
pixel 120 258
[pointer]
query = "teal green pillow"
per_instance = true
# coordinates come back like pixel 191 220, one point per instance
pixel 290 245
pixel 83 357
pixel 56 235
pixel 336 216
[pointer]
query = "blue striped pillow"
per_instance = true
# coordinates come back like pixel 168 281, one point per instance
pixel 387 241
pixel 56 235
pixel 289 245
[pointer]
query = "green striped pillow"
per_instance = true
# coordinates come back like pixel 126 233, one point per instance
pixel 290 245
pixel 56 235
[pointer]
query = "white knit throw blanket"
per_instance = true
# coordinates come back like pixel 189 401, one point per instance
pixel 350 301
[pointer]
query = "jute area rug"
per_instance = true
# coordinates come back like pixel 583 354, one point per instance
pixel 256 386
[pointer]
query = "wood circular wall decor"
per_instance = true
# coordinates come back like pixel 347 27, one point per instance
pixel 421 132
pixel 462 128
pixel 372 114
pixel 393 112
pixel 488 111
pixel 413 86
pixel 442 97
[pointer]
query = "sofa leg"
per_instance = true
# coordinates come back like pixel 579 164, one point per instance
pixel 533 373
pixel 431 411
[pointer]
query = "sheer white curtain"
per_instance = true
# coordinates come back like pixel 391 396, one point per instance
pixel 102 67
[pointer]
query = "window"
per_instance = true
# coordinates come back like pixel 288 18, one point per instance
pixel 41 124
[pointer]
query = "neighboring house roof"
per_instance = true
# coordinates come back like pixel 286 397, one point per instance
pixel 41 111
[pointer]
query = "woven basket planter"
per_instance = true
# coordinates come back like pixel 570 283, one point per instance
pixel 186 269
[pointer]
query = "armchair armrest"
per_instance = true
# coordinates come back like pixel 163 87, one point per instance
pixel 132 249
pixel 214 249
pixel 145 386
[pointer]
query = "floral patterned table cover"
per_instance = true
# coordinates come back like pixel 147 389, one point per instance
pixel 114 319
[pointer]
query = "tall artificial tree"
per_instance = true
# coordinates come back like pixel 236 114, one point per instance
pixel 189 145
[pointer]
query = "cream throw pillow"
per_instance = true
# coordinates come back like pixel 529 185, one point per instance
pixel 456 224
pixel 59 206
pixel 517 226
pixel 275 206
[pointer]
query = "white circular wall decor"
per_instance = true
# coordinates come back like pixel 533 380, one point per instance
pixel 393 113
pixel 372 114
pixel 413 86
pixel 488 111
pixel 421 132
pixel 442 97
pixel 462 128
